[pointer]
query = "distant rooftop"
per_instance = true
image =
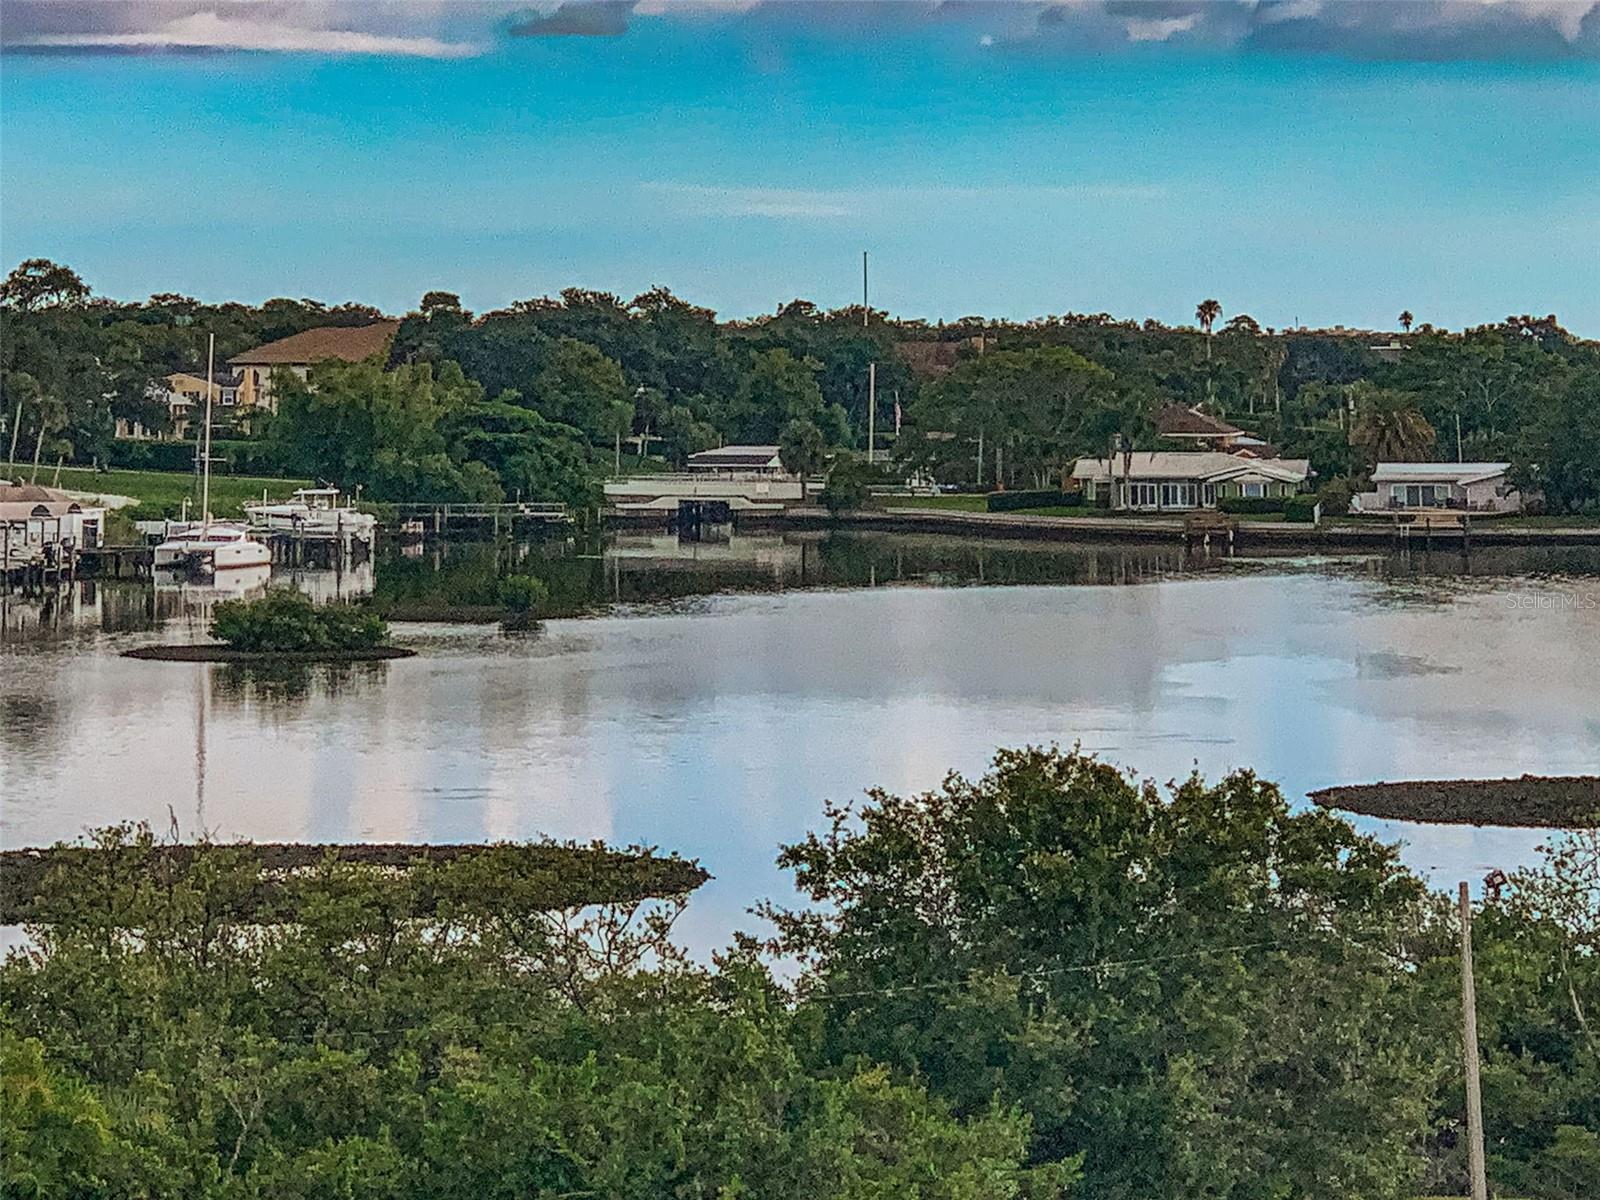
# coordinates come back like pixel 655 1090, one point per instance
pixel 1210 465
pixel 735 456
pixel 1431 472
pixel 1177 421
pixel 349 343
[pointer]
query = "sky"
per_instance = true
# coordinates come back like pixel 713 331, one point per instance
pixel 1309 162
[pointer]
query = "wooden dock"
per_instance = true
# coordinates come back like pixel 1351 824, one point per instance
pixel 437 519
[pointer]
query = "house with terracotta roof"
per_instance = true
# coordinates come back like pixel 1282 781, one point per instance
pixel 298 352
pixel 1180 424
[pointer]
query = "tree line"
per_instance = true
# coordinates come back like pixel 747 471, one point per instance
pixel 1053 980
pixel 537 399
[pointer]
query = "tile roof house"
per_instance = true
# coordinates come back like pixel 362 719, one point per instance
pixel 296 353
pixel 1161 481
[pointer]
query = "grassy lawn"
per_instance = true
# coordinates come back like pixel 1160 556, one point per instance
pixel 168 489
pixel 951 503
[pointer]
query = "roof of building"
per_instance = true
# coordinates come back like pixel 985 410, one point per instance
pixel 19 500
pixel 1177 421
pixel 1211 466
pixel 734 456
pixel 351 343
pixel 181 383
pixel 1409 472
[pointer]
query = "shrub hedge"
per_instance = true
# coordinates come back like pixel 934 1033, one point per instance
pixel 231 456
pixel 1300 508
pixel 1251 504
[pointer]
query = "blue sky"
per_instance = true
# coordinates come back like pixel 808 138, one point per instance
pixel 1298 159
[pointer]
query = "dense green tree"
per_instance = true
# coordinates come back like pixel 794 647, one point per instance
pixel 1035 412
pixel 579 386
pixel 776 389
pixel 1193 991
pixel 489 1051
pixel 1557 455
pixel 356 424
pixel 801 448
pixel 39 283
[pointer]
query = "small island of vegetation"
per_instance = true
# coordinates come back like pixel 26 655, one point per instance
pixel 286 625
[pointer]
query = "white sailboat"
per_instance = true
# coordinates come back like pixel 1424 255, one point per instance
pixel 209 546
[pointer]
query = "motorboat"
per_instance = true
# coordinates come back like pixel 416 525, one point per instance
pixel 313 512
pixel 210 546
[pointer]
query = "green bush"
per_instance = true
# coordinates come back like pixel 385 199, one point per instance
pixel 523 594
pixel 847 485
pixel 1301 508
pixel 1335 497
pixel 149 510
pixel 135 454
pixel 1010 501
pixel 230 456
pixel 1251 504
pixel 286 620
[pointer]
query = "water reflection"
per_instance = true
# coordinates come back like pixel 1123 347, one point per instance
pixel 740 684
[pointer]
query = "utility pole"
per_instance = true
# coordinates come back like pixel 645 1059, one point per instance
pixel 872 371
pixel 1458 436
pixel 205 478
pixel 1469 1052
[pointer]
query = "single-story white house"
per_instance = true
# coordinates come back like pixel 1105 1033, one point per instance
pixel 1469 487
pixel 744 460
pixel 1161 481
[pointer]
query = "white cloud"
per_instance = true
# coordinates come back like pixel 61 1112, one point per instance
pixel 690 199
pixel 211 31
pixel 1143 29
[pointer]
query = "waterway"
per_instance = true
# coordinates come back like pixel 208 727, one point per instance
pixel 718 693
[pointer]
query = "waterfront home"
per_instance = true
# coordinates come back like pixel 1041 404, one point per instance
pixel 182 394
pixel 297 354
pixel 1468 487
pixel 1176 481
pixel 38 520
pixel 739 460
pixel 732 479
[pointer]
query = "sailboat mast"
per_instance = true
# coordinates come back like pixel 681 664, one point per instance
pixel 205 478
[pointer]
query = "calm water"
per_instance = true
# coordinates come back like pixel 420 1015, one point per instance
pixel 731 688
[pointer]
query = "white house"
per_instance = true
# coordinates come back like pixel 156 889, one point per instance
pixel 743 479
pixel 1161 481
pixel 1469 487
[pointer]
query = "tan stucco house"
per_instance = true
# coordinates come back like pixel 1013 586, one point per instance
pixel 347 343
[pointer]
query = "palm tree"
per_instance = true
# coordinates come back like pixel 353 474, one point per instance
pixel 1207 313
pixel 1390 428
pixel 1405 320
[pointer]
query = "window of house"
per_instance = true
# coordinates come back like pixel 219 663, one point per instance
pixel 1251 491
pixel 1142 495
pixel 1177 495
